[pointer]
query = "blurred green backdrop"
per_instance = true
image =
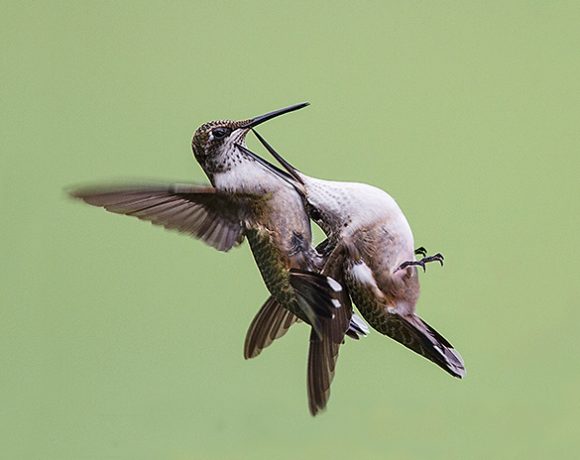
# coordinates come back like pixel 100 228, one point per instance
pixel 119 340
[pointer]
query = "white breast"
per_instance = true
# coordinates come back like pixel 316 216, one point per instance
pixel 248 176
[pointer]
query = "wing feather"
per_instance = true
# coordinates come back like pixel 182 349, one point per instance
pixel 200 211
pixel 271 322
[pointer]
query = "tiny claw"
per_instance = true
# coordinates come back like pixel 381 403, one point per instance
pixel 439 258
pixel 421 251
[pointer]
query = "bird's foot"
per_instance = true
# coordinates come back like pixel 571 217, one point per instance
pixel 421 263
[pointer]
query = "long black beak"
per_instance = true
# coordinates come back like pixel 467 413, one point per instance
pixel 287 166
pixel 276 113
pixel 270 167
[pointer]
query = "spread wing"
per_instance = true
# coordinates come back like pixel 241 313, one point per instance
pixel 200 211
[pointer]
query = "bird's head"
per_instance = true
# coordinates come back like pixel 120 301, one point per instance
pixel 215 144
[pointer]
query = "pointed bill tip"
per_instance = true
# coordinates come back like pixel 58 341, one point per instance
pixel 276 113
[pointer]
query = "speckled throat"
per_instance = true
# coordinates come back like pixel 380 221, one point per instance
pixel 219 155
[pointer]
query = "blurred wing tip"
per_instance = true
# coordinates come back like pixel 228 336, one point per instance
pixel 77 193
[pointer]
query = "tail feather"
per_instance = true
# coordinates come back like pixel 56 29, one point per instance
pixel 326 306
pixel 319 291
pixel 322 355
pixel 416 334
pixel 270 323
pixel 273 321
pixel 451 360
pixel 357 328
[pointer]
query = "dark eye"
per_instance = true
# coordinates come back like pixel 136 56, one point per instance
pixel 315 214
pixel 219 133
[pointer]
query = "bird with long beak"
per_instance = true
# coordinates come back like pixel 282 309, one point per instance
pixel 248 198
pixel 366 226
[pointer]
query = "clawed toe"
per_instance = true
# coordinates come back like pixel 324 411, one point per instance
pixel 436 258
pixel 423 262
pixel 421 251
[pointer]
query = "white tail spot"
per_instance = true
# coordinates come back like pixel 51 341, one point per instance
pixel 334 285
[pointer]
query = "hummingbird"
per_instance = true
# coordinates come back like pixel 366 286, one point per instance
pixel 251 199
pixel 280 239
pixel 369 229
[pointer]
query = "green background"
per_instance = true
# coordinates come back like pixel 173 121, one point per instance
pixel 119 340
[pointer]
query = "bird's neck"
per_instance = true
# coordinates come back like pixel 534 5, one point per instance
pixel 246 176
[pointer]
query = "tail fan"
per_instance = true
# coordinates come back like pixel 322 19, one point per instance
pixel 417 335
pixel 273 321
pixel 323 354
pixel 323 350
pixel 321 291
